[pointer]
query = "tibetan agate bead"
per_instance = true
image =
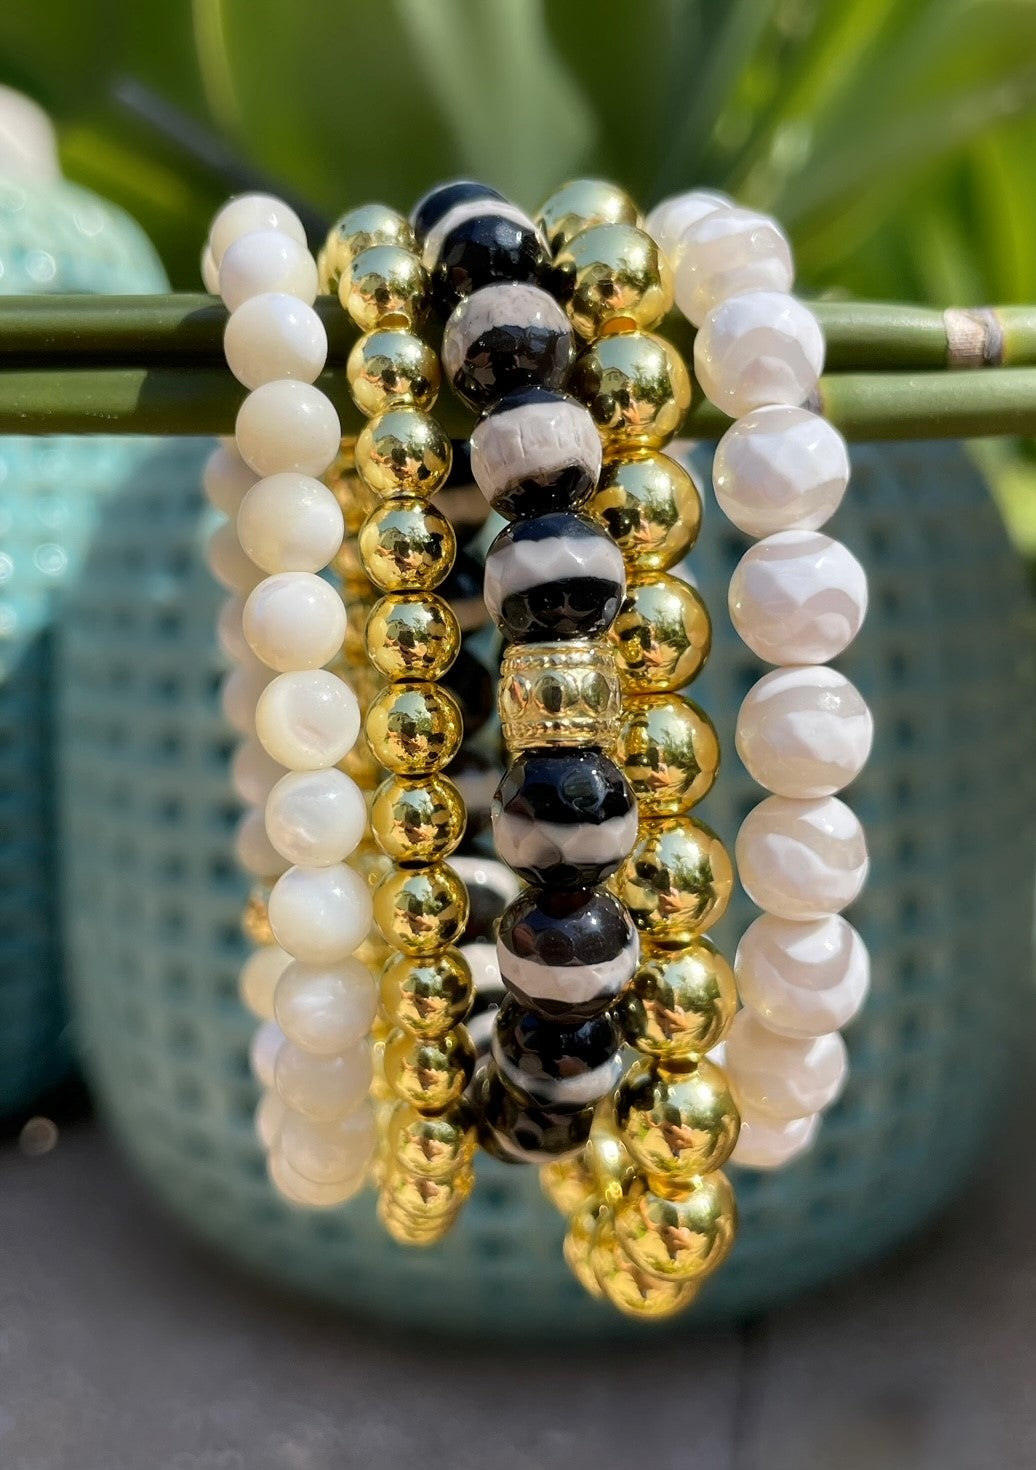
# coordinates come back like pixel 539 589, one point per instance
pixel 567 954
pixel 504 337
pixel 477 245
pixel 433 206
pixel 556 577
pixel 560 1068
pixel 520 1133
pixel 535 450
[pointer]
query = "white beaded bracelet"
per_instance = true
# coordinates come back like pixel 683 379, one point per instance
pixel 281 625
pixel 797 599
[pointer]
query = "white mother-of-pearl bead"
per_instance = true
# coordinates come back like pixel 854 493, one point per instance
pixel 320 914
pixel 328 1153
pixel 316 818
pixel 247 213
pixel 779 1076
pixel 209 271
pixel 667 222
pixel 726 252
pixel 229 630
pixel 307 720
pixel 804 731
pixel 801 859
pixel 258 979
pixel 253 773
pixel 757 348
pixel 274 336
pixel 288 425
pixel 802 979
pixel 264 262
pixel 269 1115
pixel 770 1143
pixel 290 523
pixel 229 565
pixel 226 479
pixel 780 469
pixel 294 620
pixel 307 1193
pixel 240 693
pixel 264 1051
pixel 255 852
pixel 798 597
pixel 323 1088
pixel 326 1008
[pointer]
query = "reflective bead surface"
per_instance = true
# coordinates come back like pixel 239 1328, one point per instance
pixel 669 753
pixel 429 1073
pixel 637 388
pixel 414 729
pixel 505 337
pixel 426 1199
pixel 359 230
pixel 627 1286
pixel 559 694
pixel 417 821
pixel 579 205
pixel 651 508
pixel 558 1067
pixel 553 577
pixel 385 286
pixel 422 911
pixel 427 995
pixel 484 247
pixel 568 955
pixel 683 1239
pixel 662 635
pixel 676 1124
pixel 613 277
pixel 432 1147
pixel 406 545
pixel 392 368
pixel 403 451
pixel 437 202
pixel 681 1003
pixel 676 882
pixel 568 1184
pixel 412 636
pixel 523 1133
pixel 535 450
pixel 578 1244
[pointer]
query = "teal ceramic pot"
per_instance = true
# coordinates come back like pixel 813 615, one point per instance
pixel 152 903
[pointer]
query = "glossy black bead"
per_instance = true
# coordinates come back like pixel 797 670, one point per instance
pixel 485 249
pixel 534 451
pixel 520 1133
pixel 561 1068
pixel 567 953
pixel 474 689
pixel 555 577
pixel 460 500
pixel 476 780
pixel 431 207
pixel 464 590
pixel 504 337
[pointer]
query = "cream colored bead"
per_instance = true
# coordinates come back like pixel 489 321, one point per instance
pixel 253 849
pixel 253 773
pixel 274 336
pixel 307 720
pixel 245 214
pixel 761 347
pixel 802 979
pixel 322 1088
pixel 802 859
pixel 263 1053
pixel 265 262
pixel 240 693
pixel 229 565
pixel 484 964
pixel 229 631
pixel 320 914
pixel 269 1115
pixel 326 1009
pixel 780 469
pixel 290 523
pixel 316 818
pixel 798 598
pixel 209 272
pixel 306 1193
pixel 226 479
pixel 294 620
pixel 288 426
pixel 781 1076
pixel 726 252
pixel 328 1153
pixel 770 1143
pixel 668 221
pixel 804 731
pixel 258 979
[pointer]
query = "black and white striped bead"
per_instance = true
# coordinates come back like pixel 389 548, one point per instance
pixel 536 450
pixel 504 337
pixel 475 245
pixel 560 1068
pixel 555 577
pixel 568 954
pixel 431 207
pixel 521 1133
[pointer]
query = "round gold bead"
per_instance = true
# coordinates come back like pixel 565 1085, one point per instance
pixel 415 729
pixel 407 1229
pixel 568 1183
pixel 428 1073
pixel 681 1002
pixel 358 230
pixel 425 1199
pixel 418 821
pixel 392 369
pixel 651 508
pixel 361 766
pixel 683 1239
pixel 356 500
pixel 429 995
pixel 676 882
pixel 406 546
pixel 579 1243
pixel 385 286
pixel 412 636
pixel 677 1124
pixel 580 204
pixel 255 916
pixel 669 753
pixel 404 451
pixel 559 694
pixel 423 910
pixel 432 1147
pixel 636 387
pixel 662 635
pixel 627 1286
pixel 608 1159
pixel 615 278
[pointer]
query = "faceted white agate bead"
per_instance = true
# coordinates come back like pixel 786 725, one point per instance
pixel 320 914
pixel 265 262
pixel 802 859
pixel 322 1088
pixel 274 336
pixel 264 1051
pixel 307 720
pixel 269 1115
pixel 770 1143
pixel 247 213
pixel 288 425
pixel 326 1009
pixel 209 271
pixel 668 221
pixel 757 348
pixel 253 773
pixel 327 1153
pixel 229 565
pixel 779 1076
pixel 240 693
pixel 290 523
pixel 802 979
pixel 798 598
pixel 258 979
pixel 726 252
pixel 294 620
pixel 253 849
pixel 780 469
pixel 315 818
pixel 804 731
pixel 307 1193
pixel 226 479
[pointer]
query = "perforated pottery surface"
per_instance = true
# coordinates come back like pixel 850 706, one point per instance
pixel 152 902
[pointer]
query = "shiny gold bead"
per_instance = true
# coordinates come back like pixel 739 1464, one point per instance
pixel 359 230
pixel 418 821
pixel 559 694
pixel 637 388
pixel 662 635
pixel 432 1147
pixel 568 1183
pixel 677 1124
pixel 615 279
pixel 412 636
pixel 681 1002
pixel 407 1229
pixel 357 587
pixel 669 753
pixel 414 729
pixel 609 1161
pixel 429 1073
pixel 392 369
pixel 385 286
pixel 676 882
pixel 356 500
pixel 626 1286
pixel 580 204
pixel 681 1239
pixel 426 1199
pixel 427 996
pixel 421 911
pixel 255 917
pixel 579 1243
pixel 360 764
pixel 380 1090
pixel 404 451
pixel 406 546
pixel 650 507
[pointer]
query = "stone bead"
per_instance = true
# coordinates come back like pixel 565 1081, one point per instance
pixel 463 590
pixel 325 1009
pixel 798 598
pixel 226 480
pixel 320 915
pixel 662 634
pixel 274 336
pixel 504 337
pixel 677 1123
pixel 475 777
pixel 802 859
pixel 323 1088
pixel 669 219
pixel 412 636
pixel 804 731
pixel 567 954
pixel 266 262
pixel 290 523
pixel 780 469
pixel 358 230
pixel 770 1143
pixel 560 1068
pixel 783 1076
pixel 521 1133
pixel 475 245
pixel 613 277
pixel 437 202
pixel 406 545
pixel 762 347
pixel 681 1003
pixel 491 887
pixel 328 1152
pixel 534 451
pixel 802 979
pixel 650 506
pixel 429 1073
pixel 579 205
pixel 669 753
pixel 288 425
pixel 294 620
pixel 385 286
pixel 727 252
pixel 392 369
pixel 231 634
pixel 558 694
pixel 307 1194
pixel 307 720
pixel 421 911
pixel 263 1052
pixel 414 730
pixel 564 818
pixel 316 818
pixel 229 565
pixel 269 1115
pixel 247 213
pixel 254 851
pixel 636 387
pixel 427 995
pixel 209 272
pixel 683 1239
pixel 240 693
pixel 555 577
pixel 676 883
pixel 418 821
pixel 257 982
